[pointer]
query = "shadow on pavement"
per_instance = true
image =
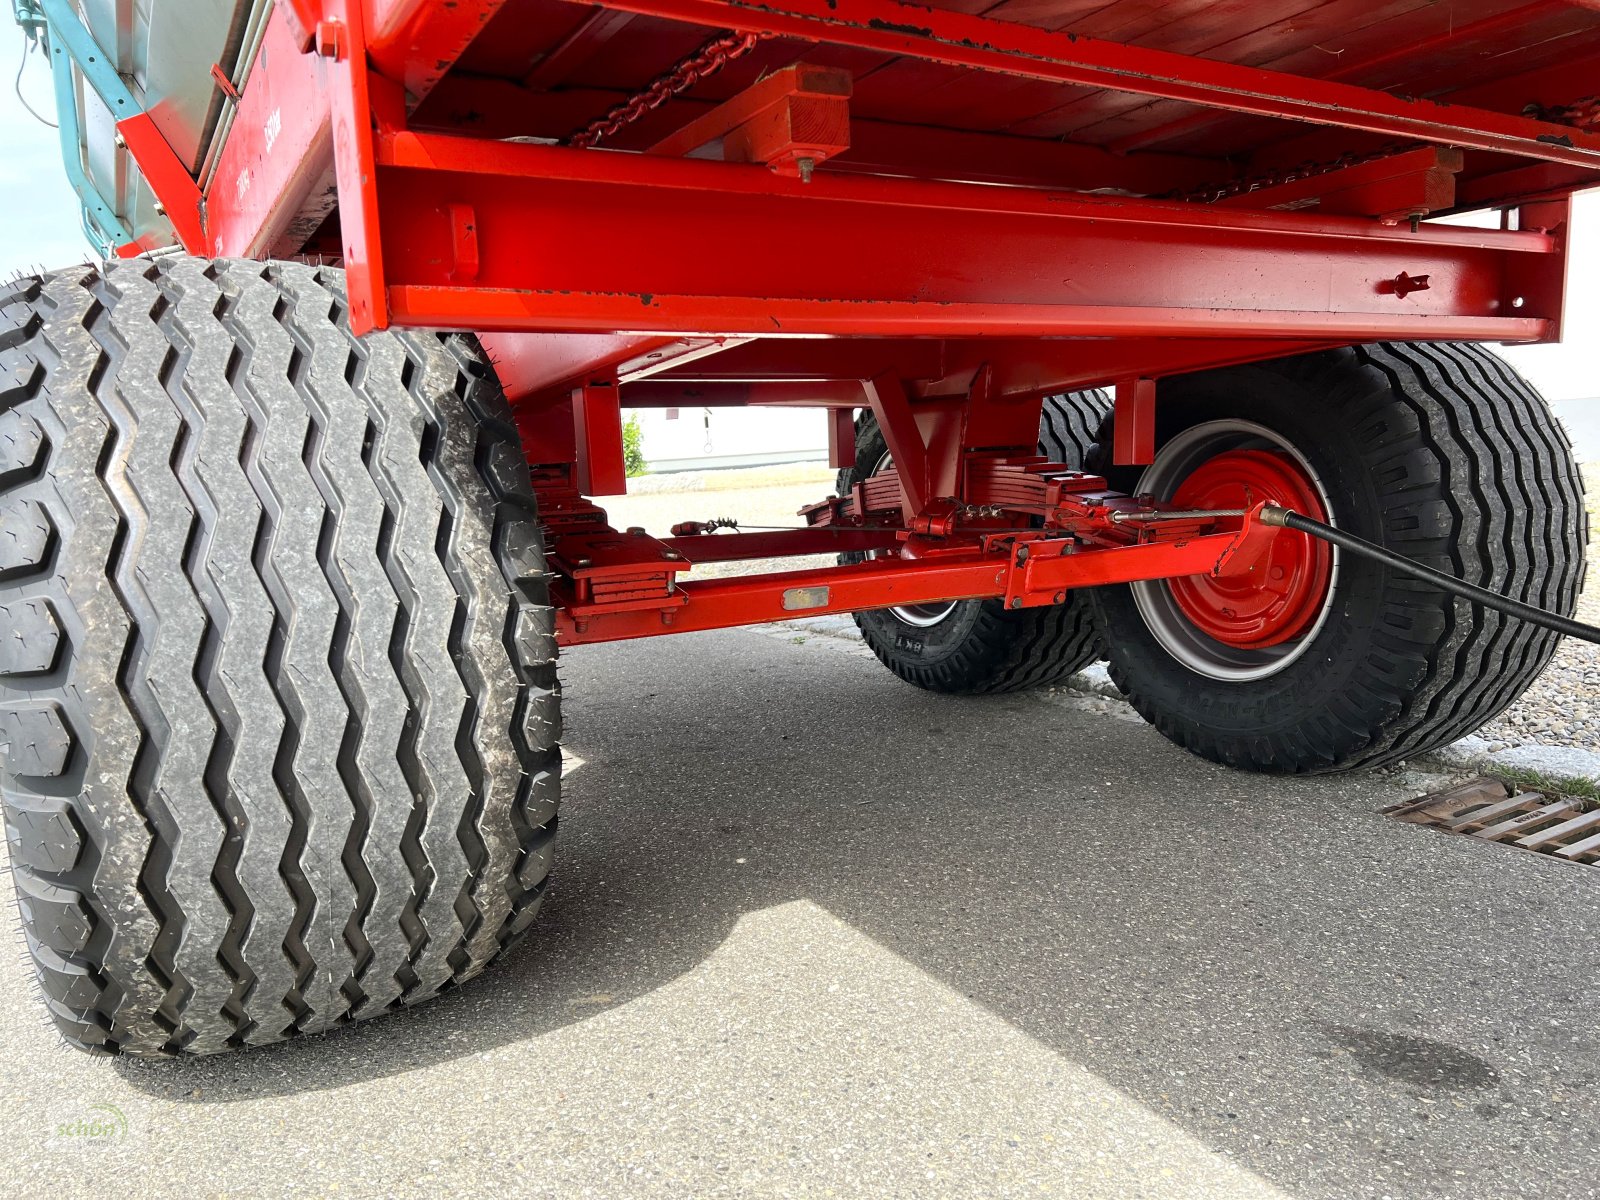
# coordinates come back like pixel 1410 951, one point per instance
pixel 1302 984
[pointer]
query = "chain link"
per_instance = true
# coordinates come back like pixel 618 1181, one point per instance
pixel 1581 114
pixel 708 60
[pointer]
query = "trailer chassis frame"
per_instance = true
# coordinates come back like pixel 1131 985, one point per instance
pixel 948 308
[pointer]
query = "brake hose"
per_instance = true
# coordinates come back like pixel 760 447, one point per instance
pixel 1288 519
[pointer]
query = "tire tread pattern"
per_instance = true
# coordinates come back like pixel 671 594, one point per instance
pixel 281 725
pixel 1474 477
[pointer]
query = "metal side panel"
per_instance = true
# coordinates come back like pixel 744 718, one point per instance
pixel 164 50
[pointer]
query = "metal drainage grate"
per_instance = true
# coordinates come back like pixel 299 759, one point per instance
pixel 1565 827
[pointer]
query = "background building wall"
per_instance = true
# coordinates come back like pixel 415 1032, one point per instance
pixel 685 439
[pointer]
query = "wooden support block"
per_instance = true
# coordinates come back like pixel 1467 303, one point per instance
pixel 1412 183
pixel 794 136
pixel 791 120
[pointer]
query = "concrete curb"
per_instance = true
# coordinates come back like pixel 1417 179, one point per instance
pixel 1554 762
pixel 1471 753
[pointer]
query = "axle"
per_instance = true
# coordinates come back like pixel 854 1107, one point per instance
pixel 1030 533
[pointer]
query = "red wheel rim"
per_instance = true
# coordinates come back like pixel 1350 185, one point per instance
pixel 1283 599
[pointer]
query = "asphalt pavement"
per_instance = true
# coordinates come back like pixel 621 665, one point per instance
pixel 816 933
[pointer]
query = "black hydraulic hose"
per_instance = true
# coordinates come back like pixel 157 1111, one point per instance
pixel 1287 519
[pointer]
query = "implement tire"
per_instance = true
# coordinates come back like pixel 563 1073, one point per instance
pixel 278 687
pixel 970 647
pixel 1441 453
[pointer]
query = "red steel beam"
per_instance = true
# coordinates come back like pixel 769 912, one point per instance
pixel 546 366
pixel 907 446
pixel 817 393
pixel 812 370
pixel 1529 181
pixel 597 434
pixel 1218 554
pixel 531 363
pixel 579 241
pixel 437 307
pixel 1044 366
pixel 1421 180
pixel 985 44
pixel 805 373
pixel 1134 430
pixel 349 84
pixel 497 108
pixel 841 438
pixel 800 360
pixel 883 582
pixel 745 600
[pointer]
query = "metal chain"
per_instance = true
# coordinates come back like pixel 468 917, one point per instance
pixel 1581 114
pixel 708 60
pixel 1306 170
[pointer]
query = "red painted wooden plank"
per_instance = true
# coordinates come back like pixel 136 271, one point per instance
pixel 1245 40
pixel 1418 53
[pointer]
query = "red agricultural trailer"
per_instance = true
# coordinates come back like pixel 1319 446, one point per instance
pixel 299 488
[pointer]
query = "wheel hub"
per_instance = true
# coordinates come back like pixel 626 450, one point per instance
pixel 1282 599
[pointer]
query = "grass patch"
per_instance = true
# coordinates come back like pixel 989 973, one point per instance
pixel 1560 785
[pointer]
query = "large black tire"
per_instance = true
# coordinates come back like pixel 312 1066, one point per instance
pixel 980 646
pixel 1441 453
pixel 278 691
